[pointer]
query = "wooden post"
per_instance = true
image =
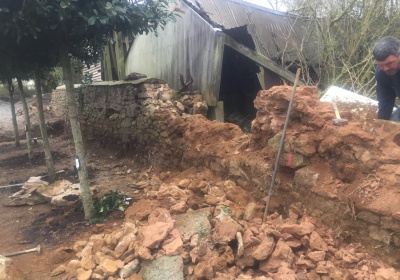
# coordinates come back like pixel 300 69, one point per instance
pixel 219 112
pixel 261 77
pixel 119 55
pixel 211 96
pixel 107 64
pixel 261 60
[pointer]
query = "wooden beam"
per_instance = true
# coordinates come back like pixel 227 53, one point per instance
pixel 261 77
pixel 113 58
pixel 211 94
pixel 119 55
pixel 107 64
pixel 261 60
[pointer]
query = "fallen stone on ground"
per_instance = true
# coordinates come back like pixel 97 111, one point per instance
pixel 203 244
pixel 29 194
pixel 8 271
pixel 36 191
pixel 290 244
pixel 62 193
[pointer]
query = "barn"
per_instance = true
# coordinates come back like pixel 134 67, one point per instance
pixel 226 49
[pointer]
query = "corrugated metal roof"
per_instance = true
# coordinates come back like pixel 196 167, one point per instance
pixel 189 45
pixel 277 35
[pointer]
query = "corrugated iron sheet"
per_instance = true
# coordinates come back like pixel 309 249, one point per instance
pixel 192 44
pixel 280 36
pixel 189 45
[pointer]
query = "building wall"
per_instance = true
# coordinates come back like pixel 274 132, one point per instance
pixel 189 44
pixel 271 79
pixel 95 71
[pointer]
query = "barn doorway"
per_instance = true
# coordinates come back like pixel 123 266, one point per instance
pixel 239 88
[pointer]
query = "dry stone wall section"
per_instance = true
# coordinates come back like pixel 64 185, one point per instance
pixel 59 100
pixel 133 115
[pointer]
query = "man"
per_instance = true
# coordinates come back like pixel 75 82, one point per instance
pixel 387 75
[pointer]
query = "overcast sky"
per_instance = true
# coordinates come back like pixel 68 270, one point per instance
pixel 266 3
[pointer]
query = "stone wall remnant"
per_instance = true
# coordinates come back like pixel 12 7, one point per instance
pixel 354 168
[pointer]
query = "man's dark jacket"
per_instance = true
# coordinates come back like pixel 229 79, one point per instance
pixel 387 88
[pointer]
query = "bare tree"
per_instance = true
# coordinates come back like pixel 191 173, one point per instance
pixel 43 129
pixel 344 32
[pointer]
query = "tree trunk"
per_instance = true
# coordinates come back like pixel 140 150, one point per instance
pixel 27 120
pixel 76 133
pixel 14 116
pixel 43 129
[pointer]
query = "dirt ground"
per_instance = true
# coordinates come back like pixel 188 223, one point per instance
pixel 51 227
pixel 55 228
pixel 25 227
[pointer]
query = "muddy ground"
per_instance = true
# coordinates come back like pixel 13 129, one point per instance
pixel 51 227
pixel 25 227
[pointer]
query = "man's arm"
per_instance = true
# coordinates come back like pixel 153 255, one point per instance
pixel 386 96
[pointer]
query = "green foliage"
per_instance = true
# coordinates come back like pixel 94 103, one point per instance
pixel 37 33
pixel 29 90
pixel 52 79
pixel 4 92
pixel 111 201
pixel 32 31
pixel 87 79
pixel 85 25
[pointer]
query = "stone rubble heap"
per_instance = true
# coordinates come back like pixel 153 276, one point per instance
pixel 8 270
pixel 356 164
pixel 198 229
pixel 36 191
pixel 330 164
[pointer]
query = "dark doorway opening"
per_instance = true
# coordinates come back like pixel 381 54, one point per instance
pixel 239 88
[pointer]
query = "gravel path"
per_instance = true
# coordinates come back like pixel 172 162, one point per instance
pixel 6 126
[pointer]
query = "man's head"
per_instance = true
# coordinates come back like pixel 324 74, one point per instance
pixel 387 54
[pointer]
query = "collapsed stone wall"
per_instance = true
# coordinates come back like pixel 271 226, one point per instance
pixel 345 175
pixel 147 117
pixel 349 149
pixel 164 237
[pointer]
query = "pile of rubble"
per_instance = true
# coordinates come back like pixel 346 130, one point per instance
pixel 194 228
pixel 36 191
pixel 191 227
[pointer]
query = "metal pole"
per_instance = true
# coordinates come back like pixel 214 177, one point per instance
pixel 278 156
pixel 10 186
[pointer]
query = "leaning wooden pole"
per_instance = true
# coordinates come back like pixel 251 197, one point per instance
pixel 13 114
pixel 278 156
pixel 27 119
pixel 80 158
pixel 43 129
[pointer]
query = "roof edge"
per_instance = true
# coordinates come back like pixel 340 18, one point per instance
pixel 268 10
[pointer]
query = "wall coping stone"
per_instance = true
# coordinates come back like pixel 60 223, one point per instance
pixel 63 86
